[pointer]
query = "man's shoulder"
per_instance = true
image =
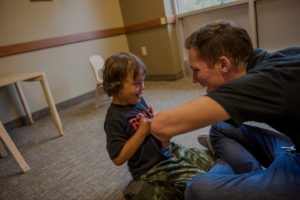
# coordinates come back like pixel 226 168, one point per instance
pixel 261 59
pixel 290 51
pixel 287 54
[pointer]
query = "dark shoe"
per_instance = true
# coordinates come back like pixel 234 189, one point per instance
pixel 203 139
pixel 132 189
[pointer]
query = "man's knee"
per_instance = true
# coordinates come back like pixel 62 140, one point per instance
pixel 196 187
pixel 220 132
pixel 216 129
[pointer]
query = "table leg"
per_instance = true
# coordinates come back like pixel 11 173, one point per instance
pixel 23 100
pixel 13 149
pixel 2 150
pixel 51 104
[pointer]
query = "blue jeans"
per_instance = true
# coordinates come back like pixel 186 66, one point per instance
pixel 237 172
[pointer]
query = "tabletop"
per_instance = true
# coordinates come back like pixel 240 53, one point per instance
pixel 6 80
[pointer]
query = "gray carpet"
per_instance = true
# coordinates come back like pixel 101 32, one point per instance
pixel 76 165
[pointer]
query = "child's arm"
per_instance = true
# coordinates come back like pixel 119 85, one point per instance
pixel 134 143
pixel 165 143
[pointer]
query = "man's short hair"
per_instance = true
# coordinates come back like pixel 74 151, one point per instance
pixel 116 68
pixel 221 38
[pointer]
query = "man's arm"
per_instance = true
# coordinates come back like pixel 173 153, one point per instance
pixel 166 143
pixel 134 143
pixel 192 115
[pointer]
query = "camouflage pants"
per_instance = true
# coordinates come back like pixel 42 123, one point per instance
pixel 168 179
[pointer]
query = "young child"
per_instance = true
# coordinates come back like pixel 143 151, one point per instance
pixel 127 123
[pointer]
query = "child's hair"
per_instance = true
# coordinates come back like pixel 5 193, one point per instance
pixel 116 68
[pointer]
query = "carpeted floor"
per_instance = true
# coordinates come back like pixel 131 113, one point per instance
pixel 76 165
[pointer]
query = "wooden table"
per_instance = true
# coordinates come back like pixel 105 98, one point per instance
pixel 13 149
pixel 15 79
pixel 38 76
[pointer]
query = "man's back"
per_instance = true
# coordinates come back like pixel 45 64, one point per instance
pixel 268 92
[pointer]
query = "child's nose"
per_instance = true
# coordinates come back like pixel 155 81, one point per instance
pixel 142 87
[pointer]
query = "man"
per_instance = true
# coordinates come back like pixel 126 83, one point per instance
pixel 242 85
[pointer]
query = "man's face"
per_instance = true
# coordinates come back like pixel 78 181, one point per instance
pixel 210 78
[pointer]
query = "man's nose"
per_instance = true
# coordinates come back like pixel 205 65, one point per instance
pixel 195 79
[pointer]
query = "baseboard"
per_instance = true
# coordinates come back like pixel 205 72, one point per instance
pixel 164 77
pixel 22 121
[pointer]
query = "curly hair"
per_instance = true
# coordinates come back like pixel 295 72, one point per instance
pixel 116 68
pixel 221 38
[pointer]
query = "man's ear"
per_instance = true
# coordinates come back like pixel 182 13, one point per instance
pixel 225 64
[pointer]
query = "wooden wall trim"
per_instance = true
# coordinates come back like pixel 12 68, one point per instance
pixel 68 39
pixel 57 41
pixel 143 25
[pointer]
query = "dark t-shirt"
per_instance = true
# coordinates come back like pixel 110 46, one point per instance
pixel 120 125
pixel 269 92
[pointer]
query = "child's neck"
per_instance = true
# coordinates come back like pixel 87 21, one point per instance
pixel 117 101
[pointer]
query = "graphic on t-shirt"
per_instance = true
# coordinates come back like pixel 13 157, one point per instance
pixel 135 122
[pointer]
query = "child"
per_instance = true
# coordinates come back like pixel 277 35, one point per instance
pixel 127 123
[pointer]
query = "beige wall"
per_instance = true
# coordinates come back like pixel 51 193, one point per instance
pixel 135 11
pixel 161 42
pixel 278 24
pixel 67 69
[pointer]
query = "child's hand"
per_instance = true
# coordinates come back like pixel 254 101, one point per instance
pixel 165 144
pixel 144 125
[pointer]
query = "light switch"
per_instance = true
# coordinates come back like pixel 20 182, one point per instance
pixel 144 51
pixel 163 20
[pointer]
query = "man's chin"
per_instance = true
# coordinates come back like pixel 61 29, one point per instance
pixel 204 86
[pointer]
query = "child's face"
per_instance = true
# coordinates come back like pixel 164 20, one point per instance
pixel 131 90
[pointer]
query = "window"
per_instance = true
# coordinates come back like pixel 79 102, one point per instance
pixel 191 5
